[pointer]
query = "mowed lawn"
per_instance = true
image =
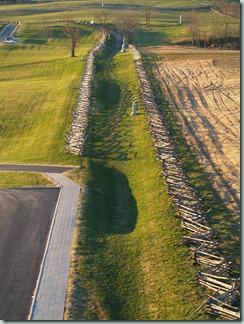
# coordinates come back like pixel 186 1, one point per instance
pixel 82 10
pixel 39 84
pixel 128 263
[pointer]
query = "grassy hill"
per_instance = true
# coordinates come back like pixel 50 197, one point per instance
pixel 127 261
pixel 39 82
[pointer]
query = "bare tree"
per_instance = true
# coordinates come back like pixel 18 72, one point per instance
pixel 235 9
pixel 194 27
pixel 128 23
pixel 105 21
pixel 73 32
pixel 147 10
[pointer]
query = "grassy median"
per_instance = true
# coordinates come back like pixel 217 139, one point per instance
pixel 39 84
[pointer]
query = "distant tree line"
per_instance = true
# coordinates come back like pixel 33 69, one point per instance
pixel 12 1
pixel 216 31
pixel 228 8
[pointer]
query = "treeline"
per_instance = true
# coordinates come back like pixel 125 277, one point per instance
pixel 216 31
pixel 228 8
pixel 13 1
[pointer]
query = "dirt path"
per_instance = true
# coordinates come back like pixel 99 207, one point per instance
pixel 205 93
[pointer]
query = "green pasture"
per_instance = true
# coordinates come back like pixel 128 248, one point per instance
pixel 164 28
pixel 23 179
pixel 128 264
pixel 39 82
pixel 47 10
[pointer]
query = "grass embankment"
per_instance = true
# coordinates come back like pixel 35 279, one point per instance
pixel 39 82
pixel 219 217
pixel 127 262
pixel 23 179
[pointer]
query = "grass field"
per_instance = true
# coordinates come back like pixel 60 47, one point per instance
pixel 127 263
pixel 38 11
pixel 36 103
pixel 23 179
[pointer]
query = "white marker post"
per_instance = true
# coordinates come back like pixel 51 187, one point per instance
pixel 134 105
pixel 123 49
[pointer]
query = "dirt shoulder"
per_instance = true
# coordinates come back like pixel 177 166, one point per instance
pixel 203 87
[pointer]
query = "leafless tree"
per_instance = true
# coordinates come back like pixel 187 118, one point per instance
pixel 147 10
pixel 105 21
pixel 73 32
pixel 235 9
pixel 127 24
pixel 193 27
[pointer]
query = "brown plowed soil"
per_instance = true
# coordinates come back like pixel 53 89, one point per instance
pixel 203 87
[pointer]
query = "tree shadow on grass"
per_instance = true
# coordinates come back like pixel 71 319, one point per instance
pixel 106 139
pixel 109 213
pixel 110 205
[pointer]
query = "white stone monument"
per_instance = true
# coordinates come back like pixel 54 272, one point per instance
pixel 123 49
pixel 134 105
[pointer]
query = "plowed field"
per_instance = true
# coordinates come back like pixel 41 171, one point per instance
pixel 203 87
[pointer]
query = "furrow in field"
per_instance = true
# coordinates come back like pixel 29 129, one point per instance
pixel 207 103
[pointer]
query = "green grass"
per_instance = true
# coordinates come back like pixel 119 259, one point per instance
pixel 53 10
pixel 23 179
pixel 163 30
pixel 36 103
pixel 128 264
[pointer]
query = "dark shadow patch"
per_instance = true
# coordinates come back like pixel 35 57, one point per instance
pixel 110 205
pixel 109 210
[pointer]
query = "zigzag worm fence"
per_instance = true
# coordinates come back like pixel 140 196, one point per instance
pixel 214 273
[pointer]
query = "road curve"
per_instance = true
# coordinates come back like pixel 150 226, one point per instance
pixel 7 31
pixel 50 292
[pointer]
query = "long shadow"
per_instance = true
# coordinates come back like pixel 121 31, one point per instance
pixel 106 139
pixel 109 210
pixel 110 207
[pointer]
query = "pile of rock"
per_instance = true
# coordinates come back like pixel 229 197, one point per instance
pixel 76 138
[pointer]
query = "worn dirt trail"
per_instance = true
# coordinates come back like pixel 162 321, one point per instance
pixel 204 90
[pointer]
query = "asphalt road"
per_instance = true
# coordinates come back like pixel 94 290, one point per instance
pixel 25 218
pixel 7 32
pixel 35 168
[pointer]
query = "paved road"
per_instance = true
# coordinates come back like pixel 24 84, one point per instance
pixel 35 168
pixel 49 296
pixel 7 31
pixel 25 217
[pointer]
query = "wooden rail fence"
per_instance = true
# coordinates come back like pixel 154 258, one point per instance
pixel 214 273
